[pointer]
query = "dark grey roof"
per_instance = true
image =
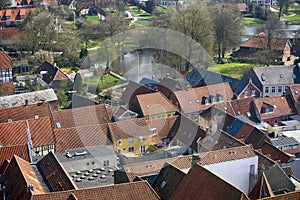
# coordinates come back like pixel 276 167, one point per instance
pixel 122 113
pixel 234 128
pixel 200 77
pixel 238 86
pixel 295 165
pixel 275 75
pixel 148 82
pixel 284 141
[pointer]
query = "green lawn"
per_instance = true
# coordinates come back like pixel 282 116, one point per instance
pixel 252 21
pixel 162 10
pixel 92 18
pixel 94 43
pixel 293 16
pixel 107 81
pixel 135 10
pixel 235 70
pixel 65 69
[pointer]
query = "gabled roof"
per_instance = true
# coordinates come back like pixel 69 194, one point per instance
pixel 14 133
pixel 15 100
pixel 273 75
pixel 55 176
pixel 133 89
pixel 123 113
pixel 288 196
pixel 167 180
pixel 82 116
pixel 24 112
pixel 201 77
pixel 295 92
pixel 281 106
pixel 20 176
pixel 148 82
pixel 260 41
pixel 7 152
pixel 224 155
pixel 52 73
pixel 6 62
pixel 284 141
pixel 193 100
pixel 154 166
pixel 129 128
pixel 275 153
pixel 239 129
pixel 200 183
pixel 81 136
pixel 154 103
pixel 134 190
pixel 261 189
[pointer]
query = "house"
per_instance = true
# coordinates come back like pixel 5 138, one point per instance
pixel 8 35
pixel 25 112
pixel 131 136
pixel 148 82
pixel 193 100
pixel 290 195
pixel 135 191
pixel 13 16
pixel 51 75
pixel 262 189
pixel 294 92
pixel 7 152
pixel 167 86
pixel 203 184
pixel 242 7
pixel 272 80
pixel 153 106
pixel 6 74
pixel 245 89
pixel 37 133
pixel 122 113
pixel 273 109
pixel 287 144
pixel 168 180
pixel 82 116
pixel 280 47
pixel 25 99
pixel 47 175
pixel 82 136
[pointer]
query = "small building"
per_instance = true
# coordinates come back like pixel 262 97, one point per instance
pixel 294 92
pixel 272 80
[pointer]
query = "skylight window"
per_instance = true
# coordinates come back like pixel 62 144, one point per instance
pixel 163 184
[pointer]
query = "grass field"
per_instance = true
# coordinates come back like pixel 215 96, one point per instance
pixel 235 70
pixel 252 21
pixel 293 16
pixel 107 81
pixel 92 18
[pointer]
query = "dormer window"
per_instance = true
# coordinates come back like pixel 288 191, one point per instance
pixel 213 99
pixel 266 108
pixel 263 77
pixel 206 101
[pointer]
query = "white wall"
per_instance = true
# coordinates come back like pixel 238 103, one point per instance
pixel 235 172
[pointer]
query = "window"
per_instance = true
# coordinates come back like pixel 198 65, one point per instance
pixel 253 93
pixel 119 142
pixel 279 89
pixel 143 149
pixel 158 116
pixel 130 140
pixel 152 117
pixel 169 114
pixel 163 115
pixel 245 94
pixel 163 184
pixel 45 148
pixel 142 138
pixel 252 169
pixel 131 149
pixel 286 87
pixel 207 101
pixel 267 89
pixel 276 121
pixel 147 118
pixel 106 163
pixel 273 89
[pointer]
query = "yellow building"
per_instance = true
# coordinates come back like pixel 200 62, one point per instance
pixel 131 136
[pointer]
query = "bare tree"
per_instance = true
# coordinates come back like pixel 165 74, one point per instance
pixel 228 27
pixel 283 7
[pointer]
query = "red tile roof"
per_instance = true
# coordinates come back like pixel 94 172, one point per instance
pixel 154 103
pixel 82 136
pixel 14 133
pixel 6 62
pixel 7 88
pixel 241 6
pixel 83 116
pixel 281 107
pixel 192 100
pixel 133 191
pixel 275 153
pixel 260 42
pixel 25 112
pixel 7 152
pixel 295 92
pixel 9 33
pixel 200 183
pixel 132 90
pixel 56 176
pixel 129 128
